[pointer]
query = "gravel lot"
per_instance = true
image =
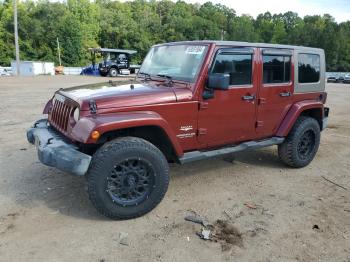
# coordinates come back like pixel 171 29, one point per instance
pixel 282 214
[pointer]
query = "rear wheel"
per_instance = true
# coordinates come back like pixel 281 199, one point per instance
pixel 128 177
pixel 113 72
pixel 301 145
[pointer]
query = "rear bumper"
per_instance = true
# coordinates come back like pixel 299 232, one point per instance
pixel 325 118
pixel 54 150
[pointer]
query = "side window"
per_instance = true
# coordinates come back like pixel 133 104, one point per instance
pixel 308 68
pixel 122 57
pixel 276 69
pixel 238 66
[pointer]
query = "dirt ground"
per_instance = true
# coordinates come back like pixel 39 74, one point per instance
pixel 276 213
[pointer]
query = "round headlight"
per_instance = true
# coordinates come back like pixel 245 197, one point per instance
pixel 76 114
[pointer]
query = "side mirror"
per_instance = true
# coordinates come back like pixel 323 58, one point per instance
pixel 219 81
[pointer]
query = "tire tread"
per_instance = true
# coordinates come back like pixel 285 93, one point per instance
pixel 118 145
pixel 286 150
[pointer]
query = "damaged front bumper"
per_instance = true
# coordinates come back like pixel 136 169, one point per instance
pixel 54 149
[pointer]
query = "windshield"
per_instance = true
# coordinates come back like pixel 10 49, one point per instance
pixel 180 62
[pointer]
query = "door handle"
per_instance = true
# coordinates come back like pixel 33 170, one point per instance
pixel 248 97
pixel 285 94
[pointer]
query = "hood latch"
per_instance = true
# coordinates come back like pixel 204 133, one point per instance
pixel 92 106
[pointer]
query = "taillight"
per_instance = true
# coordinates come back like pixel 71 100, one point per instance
pixel 323 97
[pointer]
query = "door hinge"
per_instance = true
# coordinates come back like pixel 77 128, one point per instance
pixel 202 131
pixel 203 105
pixel 261 100
pixel 259 124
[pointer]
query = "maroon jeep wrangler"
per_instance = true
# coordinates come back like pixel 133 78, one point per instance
pixel 189 101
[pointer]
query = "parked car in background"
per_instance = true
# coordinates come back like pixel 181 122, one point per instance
pixel 340 79
pixel 347 79
pixel 331 79
pixel 5 71
pixel 115 62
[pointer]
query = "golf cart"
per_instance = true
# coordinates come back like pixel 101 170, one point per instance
pixel 115 61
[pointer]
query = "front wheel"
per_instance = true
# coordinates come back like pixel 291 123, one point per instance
pixel 113 72
pixel 301 144
pixel 128 177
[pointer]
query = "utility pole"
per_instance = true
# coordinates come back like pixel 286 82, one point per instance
pixel 59 51
pixel 222 34
pixel 16 37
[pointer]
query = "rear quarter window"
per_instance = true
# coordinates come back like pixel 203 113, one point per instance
pixel 308 68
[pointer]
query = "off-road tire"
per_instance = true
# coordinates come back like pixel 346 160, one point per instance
pixel 113 72
pixel 104 162
pixel 289 150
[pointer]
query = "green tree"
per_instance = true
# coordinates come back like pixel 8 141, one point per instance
pixel 139 24
pixel 72 41
pixel 242 28
pixel 343 63
pixel 7 49
pixel 264 26
pixel 279 33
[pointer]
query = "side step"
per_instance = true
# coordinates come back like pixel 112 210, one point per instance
pixel 199 155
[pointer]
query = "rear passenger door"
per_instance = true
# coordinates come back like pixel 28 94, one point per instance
pixel 275 90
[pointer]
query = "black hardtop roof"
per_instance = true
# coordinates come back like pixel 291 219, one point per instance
pixel 246 44
pixel 109 50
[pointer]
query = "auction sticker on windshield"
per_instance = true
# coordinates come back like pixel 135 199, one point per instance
pixel 195 49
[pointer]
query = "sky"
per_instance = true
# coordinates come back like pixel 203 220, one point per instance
pixel 339 9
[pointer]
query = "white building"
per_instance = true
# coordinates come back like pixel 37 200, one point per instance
pixel 33 68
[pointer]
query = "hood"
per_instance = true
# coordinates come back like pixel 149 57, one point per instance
pixel 122 94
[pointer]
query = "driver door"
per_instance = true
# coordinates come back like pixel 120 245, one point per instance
pixel 230 116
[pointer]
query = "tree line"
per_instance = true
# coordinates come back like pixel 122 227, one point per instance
pixel 139 24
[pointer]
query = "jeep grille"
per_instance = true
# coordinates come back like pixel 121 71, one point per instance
pixel 59 115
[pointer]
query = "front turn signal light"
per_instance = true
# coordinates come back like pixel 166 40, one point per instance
pixel 95 135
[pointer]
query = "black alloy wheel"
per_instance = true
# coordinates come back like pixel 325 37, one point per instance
pixel 127 178
pixel 131 181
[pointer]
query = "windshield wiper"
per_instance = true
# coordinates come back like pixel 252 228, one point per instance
pixel 170 79
pixel 147 76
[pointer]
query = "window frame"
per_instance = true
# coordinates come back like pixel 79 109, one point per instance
pixel 236 51
pixel 319 74
pixel 277 52
pixel 201 66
